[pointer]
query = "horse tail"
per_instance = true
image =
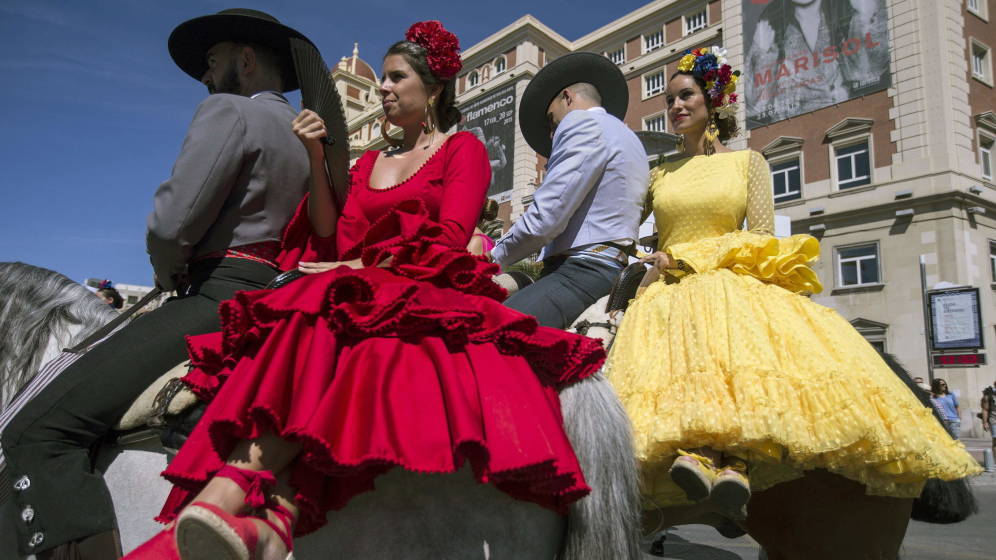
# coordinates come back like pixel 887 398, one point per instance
pixel 605 524
pixel 945 501
pixel 941 501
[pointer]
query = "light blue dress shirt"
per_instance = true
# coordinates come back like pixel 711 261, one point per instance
pixel 596 182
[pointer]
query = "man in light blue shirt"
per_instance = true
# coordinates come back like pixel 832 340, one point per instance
pixel 585 216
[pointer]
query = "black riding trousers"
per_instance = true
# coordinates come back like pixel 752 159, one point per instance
pixel 48 444
pixel 566 287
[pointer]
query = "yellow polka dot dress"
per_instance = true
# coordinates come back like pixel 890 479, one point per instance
pixel 734 356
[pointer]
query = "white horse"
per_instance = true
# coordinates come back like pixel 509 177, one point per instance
pixel 408 515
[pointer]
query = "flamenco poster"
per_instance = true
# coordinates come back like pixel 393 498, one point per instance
pixel 803 55
pixel 491 118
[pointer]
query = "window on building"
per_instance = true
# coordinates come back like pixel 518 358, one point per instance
pixel 986 156
pixel 786 179
pixel 617 56
pixel 654 83
pixel 874 332
pixel 981 62
pixel 500 65
pixel 992 259
pixel 655 124
pixel 858 265
pixel 132 300
pixel 853 165
pixel 695 21
pixel 474 78
pixel 977 7
pixel 653 41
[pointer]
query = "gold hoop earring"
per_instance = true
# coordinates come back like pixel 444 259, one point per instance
pixel 711 134
pixel 429 124
pixel 394 143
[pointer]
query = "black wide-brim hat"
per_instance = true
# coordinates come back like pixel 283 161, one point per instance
pixel 190 41
pixel 569 69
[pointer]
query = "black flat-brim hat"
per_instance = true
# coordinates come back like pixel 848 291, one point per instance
pixel 190 41
pixel 569 69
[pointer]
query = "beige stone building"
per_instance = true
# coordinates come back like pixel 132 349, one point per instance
pixel 887 176
pixel 899 176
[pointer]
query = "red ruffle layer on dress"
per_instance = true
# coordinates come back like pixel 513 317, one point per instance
pixel 416 365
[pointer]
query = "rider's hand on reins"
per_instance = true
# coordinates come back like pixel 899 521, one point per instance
pixel 659 260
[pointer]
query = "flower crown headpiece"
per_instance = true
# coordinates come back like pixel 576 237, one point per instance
pixel 105 284
pixel 710 65
pixel 441 46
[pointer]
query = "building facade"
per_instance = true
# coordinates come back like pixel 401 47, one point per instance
pixel 878 118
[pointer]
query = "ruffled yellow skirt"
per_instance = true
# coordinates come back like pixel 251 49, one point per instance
pixel 725 360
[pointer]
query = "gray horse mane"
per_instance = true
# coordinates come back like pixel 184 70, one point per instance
pixel 38 306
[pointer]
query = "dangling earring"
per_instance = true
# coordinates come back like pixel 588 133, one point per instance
pixel 428 125
pixel 710 136
pixel 394 143
pixel 681 143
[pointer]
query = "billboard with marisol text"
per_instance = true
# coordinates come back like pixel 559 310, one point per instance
pixel 803 55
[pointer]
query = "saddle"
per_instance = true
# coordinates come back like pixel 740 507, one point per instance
pixel 622 292
pixel 168 408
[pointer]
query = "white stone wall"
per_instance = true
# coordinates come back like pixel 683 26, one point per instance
pixel 733 42
pixel 524 158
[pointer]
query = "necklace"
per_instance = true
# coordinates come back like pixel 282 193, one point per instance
pixel 400 151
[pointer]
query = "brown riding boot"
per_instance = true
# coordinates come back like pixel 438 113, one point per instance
pixel 102 546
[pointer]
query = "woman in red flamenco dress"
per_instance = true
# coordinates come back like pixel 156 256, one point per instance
pixel 394 349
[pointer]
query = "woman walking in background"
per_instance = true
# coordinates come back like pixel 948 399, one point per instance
pixel 946 404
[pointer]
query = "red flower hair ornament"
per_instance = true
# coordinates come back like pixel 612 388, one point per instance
pixel 442 47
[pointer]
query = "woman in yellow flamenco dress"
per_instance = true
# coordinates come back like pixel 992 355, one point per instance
pixel 734 380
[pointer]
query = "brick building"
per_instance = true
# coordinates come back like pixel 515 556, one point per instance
pixel 880 137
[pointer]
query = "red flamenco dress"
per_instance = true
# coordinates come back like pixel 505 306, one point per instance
pixel 416 365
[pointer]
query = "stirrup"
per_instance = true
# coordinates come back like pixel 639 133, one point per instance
pixel 694 474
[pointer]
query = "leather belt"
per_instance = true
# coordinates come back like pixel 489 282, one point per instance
pixel 604 250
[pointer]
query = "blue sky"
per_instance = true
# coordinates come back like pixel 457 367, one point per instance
pixel 94 110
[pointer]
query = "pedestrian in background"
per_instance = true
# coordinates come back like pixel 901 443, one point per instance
pixel 989 412
pixel 107 292
pixel 946 404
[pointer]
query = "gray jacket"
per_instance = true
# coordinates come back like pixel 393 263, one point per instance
pixel 240 175
pixel 594 190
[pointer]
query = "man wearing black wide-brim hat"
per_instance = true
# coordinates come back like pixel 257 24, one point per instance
pixel 585 215
pixel 215 229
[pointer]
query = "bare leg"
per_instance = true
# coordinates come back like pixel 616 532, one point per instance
pixel 268 452
pixel 271 546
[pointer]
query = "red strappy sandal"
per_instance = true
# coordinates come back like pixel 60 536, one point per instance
pixel 205 532
pixel 160 547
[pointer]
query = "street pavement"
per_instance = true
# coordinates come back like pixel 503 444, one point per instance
pixel 972 539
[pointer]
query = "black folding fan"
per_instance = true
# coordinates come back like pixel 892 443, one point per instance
pixel 318 93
